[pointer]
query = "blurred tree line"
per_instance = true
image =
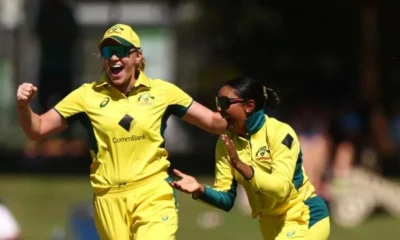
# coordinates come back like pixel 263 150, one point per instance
pixel 309 50
pixel 312 51
pixel 338 56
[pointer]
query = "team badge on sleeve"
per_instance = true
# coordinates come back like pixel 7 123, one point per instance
pixel 287 141
pixel 263 153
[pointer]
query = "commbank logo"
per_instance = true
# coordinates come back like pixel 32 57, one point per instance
pixel 129 139
pixel 105 102
pixel 126 122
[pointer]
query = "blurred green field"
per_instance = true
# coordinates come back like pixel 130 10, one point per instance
pixel 42 203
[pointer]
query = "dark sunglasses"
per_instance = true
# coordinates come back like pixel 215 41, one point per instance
pixel 119 50
pixel 224 102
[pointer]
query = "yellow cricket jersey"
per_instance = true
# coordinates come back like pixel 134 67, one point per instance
pixel 125 131
pixel 279 185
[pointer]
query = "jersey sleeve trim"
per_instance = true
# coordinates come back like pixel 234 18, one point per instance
pixel 220 199
pixel 318 210
pixel 179 110
pixel 62 116
pixel 298 177
pixel 69 120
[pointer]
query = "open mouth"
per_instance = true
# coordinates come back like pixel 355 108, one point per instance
pixel 116 69
pixel 225 115
pixel 230 122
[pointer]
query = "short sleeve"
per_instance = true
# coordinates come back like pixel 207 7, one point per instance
pixel 72 104
pixel 178 100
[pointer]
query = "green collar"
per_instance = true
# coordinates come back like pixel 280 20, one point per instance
pixel 255 122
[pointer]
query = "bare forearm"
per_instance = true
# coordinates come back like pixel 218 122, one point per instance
pixel 30 122
pixel 219 123
pixel 244 169
pixel 204 118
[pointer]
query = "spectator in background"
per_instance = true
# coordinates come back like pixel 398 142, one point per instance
pixel 363 147
pixel 350 134
pixel 385 136
pixel 57 32
pixel 368 138
pixel 312 125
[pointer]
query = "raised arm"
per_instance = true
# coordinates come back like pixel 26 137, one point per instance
pixel 205 119
pixel 37 127
pixel 34 126
pixel 183 106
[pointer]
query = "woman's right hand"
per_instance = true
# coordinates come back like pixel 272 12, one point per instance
pixel 187 184
pixel 25 93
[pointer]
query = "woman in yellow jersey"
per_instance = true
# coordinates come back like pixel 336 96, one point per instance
pixel 125 113
pixel 264 156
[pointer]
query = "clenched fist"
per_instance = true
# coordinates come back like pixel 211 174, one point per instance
pixel 25 93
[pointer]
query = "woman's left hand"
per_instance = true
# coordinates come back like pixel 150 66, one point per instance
pixel 244 169
pixel 233 156
pixel 187 183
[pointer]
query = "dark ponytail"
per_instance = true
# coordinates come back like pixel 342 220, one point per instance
pixel 272 97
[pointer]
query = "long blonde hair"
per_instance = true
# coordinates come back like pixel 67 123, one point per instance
pixel 141 66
